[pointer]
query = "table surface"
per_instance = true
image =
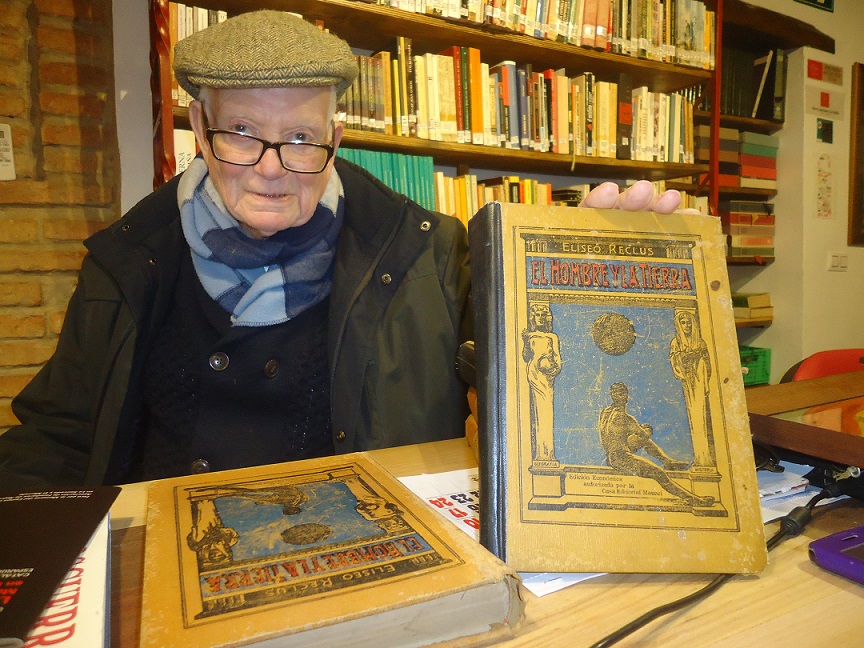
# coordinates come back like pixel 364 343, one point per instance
pixel 791 602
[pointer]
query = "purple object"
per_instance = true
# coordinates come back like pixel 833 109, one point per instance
pixel 841 553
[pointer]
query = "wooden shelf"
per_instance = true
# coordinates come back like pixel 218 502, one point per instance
pixel 488 157
pixel 375 27
pixel 765 126
pixel 753 323
pixel 726 193
pixel 750 260
pixel 746 25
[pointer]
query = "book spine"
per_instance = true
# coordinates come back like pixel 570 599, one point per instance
pixel 624 127
pixel 590 139
pixel 485 241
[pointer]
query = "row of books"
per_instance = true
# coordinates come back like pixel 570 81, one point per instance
pixel 754 85
pixel 676 31
pixel 184 20
pixel 453 96
pixel 746 159
pixel 749 226
pixel 461 195
pixel 410 175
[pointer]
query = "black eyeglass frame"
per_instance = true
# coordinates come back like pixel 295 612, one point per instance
pixel 210 133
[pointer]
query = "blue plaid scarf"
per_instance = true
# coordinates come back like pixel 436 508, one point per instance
pixel 259 282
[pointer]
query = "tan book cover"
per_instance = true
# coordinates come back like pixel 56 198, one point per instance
pixel 613 425
pixel 327 552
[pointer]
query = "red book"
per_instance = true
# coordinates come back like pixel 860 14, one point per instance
pixel 589 23
pixel 602 37
pixel 736 240
pixel 736 219
pixel 747 159
pixel 763 219
pixel 758 172
pixel 723 179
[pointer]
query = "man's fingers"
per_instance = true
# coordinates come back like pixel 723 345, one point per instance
pixel 667 202
pixel 639 196
pixel 604 196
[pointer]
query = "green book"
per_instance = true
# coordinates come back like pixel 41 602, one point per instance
pixel 758 149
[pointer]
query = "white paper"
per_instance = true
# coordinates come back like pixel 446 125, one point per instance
pixel 456 496
pixel 7 158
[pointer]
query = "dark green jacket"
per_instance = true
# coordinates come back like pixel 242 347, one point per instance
pixel 398 311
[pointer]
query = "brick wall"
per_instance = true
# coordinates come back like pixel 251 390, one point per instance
pixel 57 94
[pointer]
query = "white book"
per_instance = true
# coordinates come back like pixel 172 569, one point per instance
pixel 447 99
pixel 563 135
pixel 184 149
pixel 674 141
pixel 489 139
pixel 421 98
pixel 662 126
pixel 77 614
pixel 433 95
pixel 613 119
pixel 577 95
pixel 601 119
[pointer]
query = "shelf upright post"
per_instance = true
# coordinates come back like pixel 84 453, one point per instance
pixel 160 89
pixel 714 158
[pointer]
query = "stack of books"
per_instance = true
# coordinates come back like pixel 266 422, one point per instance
pixel 729 158
pixel 749 226
pixel 758 160
pixel 752 306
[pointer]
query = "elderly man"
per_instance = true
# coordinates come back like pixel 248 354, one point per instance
pixel 273 303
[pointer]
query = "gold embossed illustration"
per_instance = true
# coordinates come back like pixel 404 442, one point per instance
pixel 615 408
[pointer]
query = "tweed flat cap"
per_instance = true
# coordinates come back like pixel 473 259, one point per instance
pixel 263 49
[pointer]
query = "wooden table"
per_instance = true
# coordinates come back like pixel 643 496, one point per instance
pixel 792 602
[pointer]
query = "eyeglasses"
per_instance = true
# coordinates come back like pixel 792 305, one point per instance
pixel 245 150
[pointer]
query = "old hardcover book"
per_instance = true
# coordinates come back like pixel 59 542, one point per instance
pixel 613 425
pixel 325 552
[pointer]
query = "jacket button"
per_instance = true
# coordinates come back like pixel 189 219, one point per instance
pixel 271 368
pixel 199 466
pixel 386 278
pixel 219 361
pixel 425 226
pixel 340 436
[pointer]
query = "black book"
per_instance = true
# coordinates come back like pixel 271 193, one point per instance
pixel 43 534
pixel 624 129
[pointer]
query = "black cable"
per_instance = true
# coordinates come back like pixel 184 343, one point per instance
pixel 791 524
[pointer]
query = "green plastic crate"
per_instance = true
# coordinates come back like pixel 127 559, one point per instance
pixel 755 365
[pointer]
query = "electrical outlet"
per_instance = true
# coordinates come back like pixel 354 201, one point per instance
pixel 838 262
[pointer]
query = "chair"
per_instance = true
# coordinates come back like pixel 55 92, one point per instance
pixel 826 363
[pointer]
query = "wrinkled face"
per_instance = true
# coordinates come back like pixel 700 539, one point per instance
pixel 266 198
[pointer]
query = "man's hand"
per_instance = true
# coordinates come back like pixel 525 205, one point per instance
pixel 637 197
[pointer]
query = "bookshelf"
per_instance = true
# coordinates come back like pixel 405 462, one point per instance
pixel 748 27
pixel 367 26
pixel 753 323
